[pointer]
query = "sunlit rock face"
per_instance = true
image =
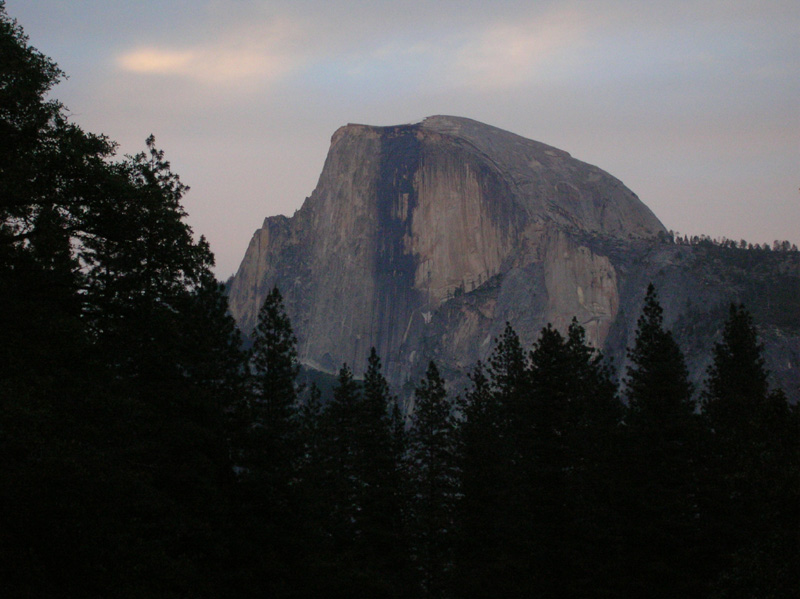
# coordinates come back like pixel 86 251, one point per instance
pixel 423 240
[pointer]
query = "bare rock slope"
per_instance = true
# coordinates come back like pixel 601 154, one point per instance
pixel 423 240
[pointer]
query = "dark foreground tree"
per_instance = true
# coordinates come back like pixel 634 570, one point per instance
pixel 661 482
pixel 483 564
pixel 270 444
pixel 383 547
pixel 268 455
pixel 535 469
pixel 658 387
pixel 754 469
pixel 433 482
pixel 363 540
pixel 575 413
pixel 343 460
pixel 112 457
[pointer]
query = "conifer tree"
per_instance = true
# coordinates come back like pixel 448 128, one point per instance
pixel 576 410
pixel 554 382
pixel 507 370
pixel 317 557
pixel 663 537
pixel 381 460
pixel 271 421
pixel 754 468
pixel 268 455
pixel 480 432
pixel 211 343
pixel 554 389
pixel 274 365
pixel 596 404
pixel 482 544
pixel 270 442
pixel 658 387
pixel 378 399
pixel 433 484
pixel 736 388
pixel 360 494
pixel 343 462
pixel 509 382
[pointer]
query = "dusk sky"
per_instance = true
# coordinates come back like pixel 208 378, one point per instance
pixel 694 105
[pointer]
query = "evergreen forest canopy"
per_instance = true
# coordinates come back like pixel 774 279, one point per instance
pixel 143 453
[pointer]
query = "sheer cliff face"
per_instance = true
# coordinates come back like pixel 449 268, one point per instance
pixel 408 222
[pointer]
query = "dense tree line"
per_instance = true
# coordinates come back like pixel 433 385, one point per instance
pixel 545 477
pixel 778 245
pixel 144 453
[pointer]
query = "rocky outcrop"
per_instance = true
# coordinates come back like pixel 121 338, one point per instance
pixel 423 240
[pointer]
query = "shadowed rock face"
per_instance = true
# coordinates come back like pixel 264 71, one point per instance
pixel 423 240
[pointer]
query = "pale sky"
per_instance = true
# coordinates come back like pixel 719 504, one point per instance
pixel 694 105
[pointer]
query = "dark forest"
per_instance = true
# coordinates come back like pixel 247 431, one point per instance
pixel 144 452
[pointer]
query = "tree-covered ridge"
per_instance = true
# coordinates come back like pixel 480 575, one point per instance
pixel 778 245
pixel 143 453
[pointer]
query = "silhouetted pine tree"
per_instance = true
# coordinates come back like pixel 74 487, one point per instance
pixel 270 435
pixel 383 543
pixel 507 374
pixel 342 458
pixel 483 544
pixel 662 489
pixel 268 454
pixel 364 549
pixel 754 469
pixel 433 482
pixel 311 463
pixel 141 263
pixel 736 388
pixel 575 411
pixel 658 387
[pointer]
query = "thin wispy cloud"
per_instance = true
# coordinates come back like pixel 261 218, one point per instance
pixel 247 56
